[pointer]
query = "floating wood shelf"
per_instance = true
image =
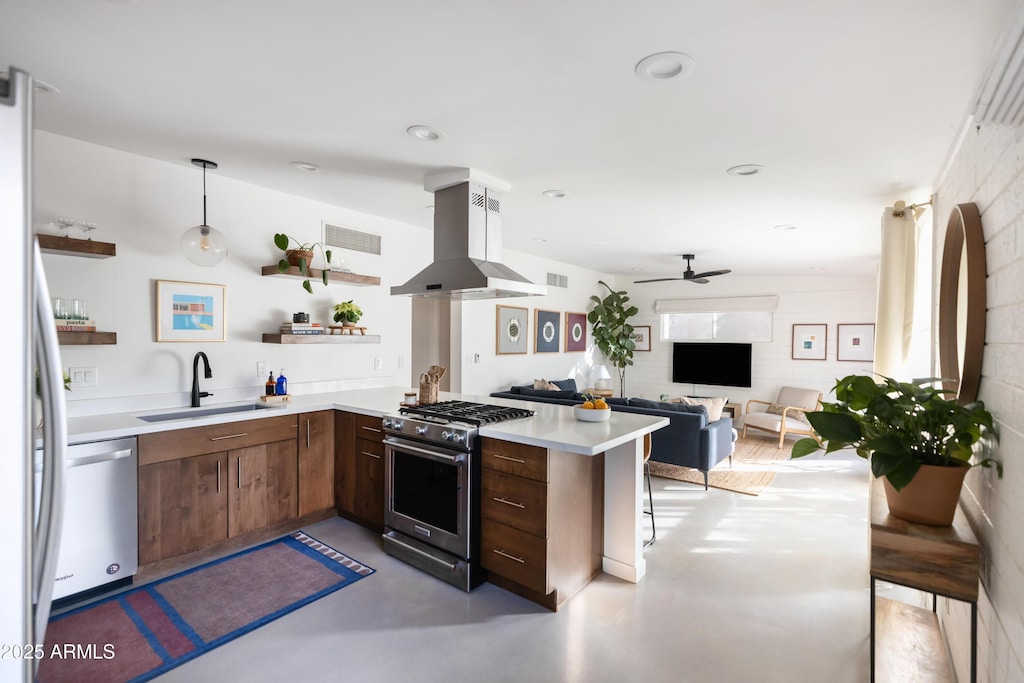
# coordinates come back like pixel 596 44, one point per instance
pixel 70 246
pixel 316 275
pixel 72 338
pixel 321 339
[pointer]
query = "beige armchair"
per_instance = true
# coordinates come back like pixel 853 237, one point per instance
pixel 785 415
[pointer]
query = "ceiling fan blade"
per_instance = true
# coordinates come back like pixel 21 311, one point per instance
pixel 660 279
pixel 697 280
pixel 712 273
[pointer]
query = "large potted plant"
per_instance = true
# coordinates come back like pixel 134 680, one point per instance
pixel 917 438
pixel 301 255
pixel 612 332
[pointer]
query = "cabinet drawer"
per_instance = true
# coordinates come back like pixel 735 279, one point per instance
pixel 515 458
pixel 369 427
pixel 183 443
pixel 514 554
pixel 372 449
pixel 517 502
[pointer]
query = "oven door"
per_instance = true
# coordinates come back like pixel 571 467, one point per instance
pixel 428 492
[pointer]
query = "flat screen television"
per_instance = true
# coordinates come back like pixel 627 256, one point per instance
pixel 722 364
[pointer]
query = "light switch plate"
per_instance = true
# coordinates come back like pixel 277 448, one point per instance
pixel 378 363
pixel 262 369
pixel 82 377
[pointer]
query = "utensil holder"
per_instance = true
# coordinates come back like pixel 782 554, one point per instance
pixel 428 391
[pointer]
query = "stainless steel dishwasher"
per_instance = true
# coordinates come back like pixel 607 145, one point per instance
pixel 100 539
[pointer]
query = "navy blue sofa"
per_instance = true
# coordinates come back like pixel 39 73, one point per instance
pixel 689 440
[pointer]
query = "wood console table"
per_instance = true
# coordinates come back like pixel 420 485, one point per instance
pixel 938 560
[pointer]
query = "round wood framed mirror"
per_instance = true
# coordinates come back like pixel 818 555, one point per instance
pixel 962 303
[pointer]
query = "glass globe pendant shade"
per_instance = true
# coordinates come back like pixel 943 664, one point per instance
pixel 204 246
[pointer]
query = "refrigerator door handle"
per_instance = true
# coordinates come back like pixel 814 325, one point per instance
pixel 55 439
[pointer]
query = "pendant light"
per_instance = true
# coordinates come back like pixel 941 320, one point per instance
pixel 202 245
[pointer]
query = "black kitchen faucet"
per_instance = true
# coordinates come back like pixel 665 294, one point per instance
pixel 196 394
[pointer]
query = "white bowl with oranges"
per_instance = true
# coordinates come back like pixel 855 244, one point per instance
pixel 594 410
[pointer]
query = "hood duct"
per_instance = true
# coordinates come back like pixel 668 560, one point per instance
pixel 467 249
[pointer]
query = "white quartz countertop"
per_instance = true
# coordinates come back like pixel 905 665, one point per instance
pixel 552 427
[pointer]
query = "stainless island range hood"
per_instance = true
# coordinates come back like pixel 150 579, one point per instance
pixel 467 245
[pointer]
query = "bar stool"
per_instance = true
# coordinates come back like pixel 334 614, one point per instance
pixel 650 493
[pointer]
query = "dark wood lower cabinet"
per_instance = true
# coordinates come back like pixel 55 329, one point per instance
pixel 359 469
pixel 182 506
pixel 316 461
pixel 262 488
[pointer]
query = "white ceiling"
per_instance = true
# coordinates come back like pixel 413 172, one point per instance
pixel 848 104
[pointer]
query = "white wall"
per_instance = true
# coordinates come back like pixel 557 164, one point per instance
pixel 823 299
pixel 989 170
pixel 144 206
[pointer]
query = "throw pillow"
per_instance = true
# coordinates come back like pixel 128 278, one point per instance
pixel 686 408
pixel 713 405
pixel 644 403
pixel 565 384
pixel 776 409
pixel 544 385
pixel 544 393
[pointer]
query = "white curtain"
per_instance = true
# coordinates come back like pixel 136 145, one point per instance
pixel 897 276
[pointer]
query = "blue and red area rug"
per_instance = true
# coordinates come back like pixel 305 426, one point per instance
pixel 146 631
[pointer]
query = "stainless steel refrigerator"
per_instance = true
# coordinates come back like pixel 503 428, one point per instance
pixel 28 343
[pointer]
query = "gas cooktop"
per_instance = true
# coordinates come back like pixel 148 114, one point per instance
pixel 466 412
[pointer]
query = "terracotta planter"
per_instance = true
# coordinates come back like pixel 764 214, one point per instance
pixel 296 255
pixel 348 323
pixel 931 496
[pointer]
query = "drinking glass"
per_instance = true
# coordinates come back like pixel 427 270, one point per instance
pixel 79 309
pixel 86 228
pixel 60 307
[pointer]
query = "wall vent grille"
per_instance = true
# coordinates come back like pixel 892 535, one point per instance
pixel 347 238
pixel 556 280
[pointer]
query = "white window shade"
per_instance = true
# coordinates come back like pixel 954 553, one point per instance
pixel 746 304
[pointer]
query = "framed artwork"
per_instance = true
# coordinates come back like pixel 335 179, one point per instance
pixel 809 342
pixel 190 312
pixel 547 327
pixel 575 332
pixel 642 337
pixel 856 342
pixel 512 329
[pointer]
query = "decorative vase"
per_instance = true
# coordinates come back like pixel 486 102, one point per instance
pixel 295 255
pixel 931 496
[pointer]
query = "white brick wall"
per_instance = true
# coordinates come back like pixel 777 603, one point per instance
pixel 989 170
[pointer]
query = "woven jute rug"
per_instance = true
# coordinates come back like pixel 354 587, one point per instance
pixel 754 465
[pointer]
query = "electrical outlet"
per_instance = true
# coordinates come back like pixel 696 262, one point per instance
pixel 378 363
pixel 401 361
pixel 262 369
pixel 476 357
pixel 83 377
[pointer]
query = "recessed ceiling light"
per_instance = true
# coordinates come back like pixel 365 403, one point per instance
pixel 425 133
pixel 745 169
pixel 539 239
pixel 662 66
pixel 553 193
pixel 305 166
pixel 37 85
pixel 637 268
pixel 785 226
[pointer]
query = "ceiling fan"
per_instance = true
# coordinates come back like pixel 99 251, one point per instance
pixel 688 274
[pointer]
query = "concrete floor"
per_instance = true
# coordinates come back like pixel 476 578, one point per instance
pixel 739 588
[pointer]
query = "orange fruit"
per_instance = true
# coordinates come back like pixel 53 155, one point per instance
pixel 600 404
pixel 588 405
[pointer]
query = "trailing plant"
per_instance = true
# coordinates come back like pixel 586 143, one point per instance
pixel 900 426
pixel 347 311
pixel 612 332
pixel 281 241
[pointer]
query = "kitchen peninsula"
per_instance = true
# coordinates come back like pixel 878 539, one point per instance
pixel 553 428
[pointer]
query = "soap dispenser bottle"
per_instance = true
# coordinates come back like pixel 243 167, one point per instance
pixel 282 384
pixel 271 386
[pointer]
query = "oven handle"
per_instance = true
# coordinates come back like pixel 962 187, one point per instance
pixel 430 455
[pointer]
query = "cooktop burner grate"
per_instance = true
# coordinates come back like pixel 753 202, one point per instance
pixel 466 411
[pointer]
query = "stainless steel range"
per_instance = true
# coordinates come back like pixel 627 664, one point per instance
pixel 432 485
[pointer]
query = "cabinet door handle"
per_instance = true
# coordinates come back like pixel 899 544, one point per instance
pixel 511 557
pixel 505 457
pixel 229 436
pixel 509 502
pixel 238 463
pixel 218 476
pixel 307 433
pixel 371 429
pixel 372 455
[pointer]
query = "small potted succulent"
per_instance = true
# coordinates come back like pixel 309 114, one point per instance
pixel 916 436
pixel 300 256
pixel 347 313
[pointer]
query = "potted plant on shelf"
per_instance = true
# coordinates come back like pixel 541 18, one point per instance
pixel 916 437
pixel 347 313
pixel 612 332
pixel 301 256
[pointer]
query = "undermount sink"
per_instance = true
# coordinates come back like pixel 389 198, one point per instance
pixel 204 412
